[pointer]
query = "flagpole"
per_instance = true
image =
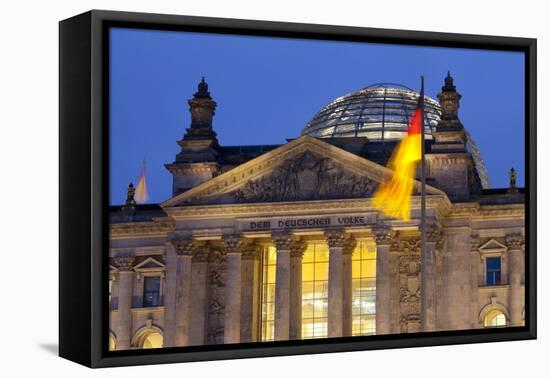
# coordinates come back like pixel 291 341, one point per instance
pixel 423 281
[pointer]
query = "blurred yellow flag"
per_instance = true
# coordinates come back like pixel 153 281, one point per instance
pixel 141 192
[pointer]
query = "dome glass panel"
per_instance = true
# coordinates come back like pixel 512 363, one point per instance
pixel 379 112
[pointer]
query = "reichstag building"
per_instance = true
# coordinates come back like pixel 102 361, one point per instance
pixel 279 242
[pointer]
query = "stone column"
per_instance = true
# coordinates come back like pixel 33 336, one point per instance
pixel 125 289
pixel 395 286
pixel 170 295
pixel 428 269
pixel 335 241
pixel 233 280
pixel 184 250
pixel 514 243
pixel 347 296
pixel 199 283
pixel 297 249
pixel 475 262
pixel 282 286
pixel 250 270
pixel 383 238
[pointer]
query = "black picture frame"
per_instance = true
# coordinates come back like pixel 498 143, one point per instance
pixel 84 172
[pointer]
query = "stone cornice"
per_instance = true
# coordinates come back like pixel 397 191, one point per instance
pixel 157 227
pixel 440 203
pixel 475 210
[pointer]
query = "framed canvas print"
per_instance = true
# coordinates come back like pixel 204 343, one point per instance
pixel 234 188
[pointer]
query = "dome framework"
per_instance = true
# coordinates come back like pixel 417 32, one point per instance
pixel 379 112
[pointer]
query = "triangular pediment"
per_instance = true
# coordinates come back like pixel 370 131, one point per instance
pixel 304 169
pixel 149 264
pixel 492 245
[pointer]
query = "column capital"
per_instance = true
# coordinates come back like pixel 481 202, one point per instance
pixel 384 235
pixel 434 234
pixel 335 238
pixel 251 250
pixel 233 243
pixel 297 248
pixel 186 247
pixel 514 241
pixel 349 245
pixel 124 263
pixel 282 240
pixel 475 242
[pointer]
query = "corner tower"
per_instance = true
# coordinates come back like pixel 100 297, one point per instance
pixel 450 165
pixel 198 159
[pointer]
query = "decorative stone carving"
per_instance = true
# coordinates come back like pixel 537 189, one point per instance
pixel 409 259
pixel 184 247
pixel 514 241
pixel 233 243
pixel 434 235
pixel 217 261
pixel 475 242
pixel 305 177
pixel 124 263
pixel 297 248
pixel 349 245
pixel 282 240
pixel 335 238
pixel 251 250
pixel 201 253
pixel 383 235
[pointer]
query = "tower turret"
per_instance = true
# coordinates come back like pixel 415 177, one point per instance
pixel 450 165
pixel 198 159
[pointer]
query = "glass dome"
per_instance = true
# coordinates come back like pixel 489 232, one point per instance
pixel 379 112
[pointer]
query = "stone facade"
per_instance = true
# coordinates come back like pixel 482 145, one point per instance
pixel 202 251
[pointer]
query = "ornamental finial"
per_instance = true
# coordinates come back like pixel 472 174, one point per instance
pixel 130 192
pixel 202 90
pixel 449 83
pixel 513 181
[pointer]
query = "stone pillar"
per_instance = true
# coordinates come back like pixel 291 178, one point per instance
pixel 516 303
pixel 475 262
pixel 347 296
pixel 428 267
pixel 184 251
pixel 170 295
pixel 335 241
pixel 297 249
pixel 383 238
pixel 456 278
pixel 125 289
pixel 395 287
pixel 233 281
pixel 250 270
pixel 199 283
pixel 282 286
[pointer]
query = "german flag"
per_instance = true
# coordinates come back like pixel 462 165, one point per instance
pixel 393 197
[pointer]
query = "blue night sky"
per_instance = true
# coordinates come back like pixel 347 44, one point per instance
pixel 267 89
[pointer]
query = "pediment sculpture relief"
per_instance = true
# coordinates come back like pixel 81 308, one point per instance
pixel 306 177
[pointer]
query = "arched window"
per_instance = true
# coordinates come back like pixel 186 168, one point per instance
pixel 495 318
pixel 148 338
pixel 152 340
pixel 112 342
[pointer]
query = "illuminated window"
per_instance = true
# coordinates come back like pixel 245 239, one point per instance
pixel 151 291
pixel 364 290
pixel 495 318
pixel 315 291
pixel 493 271
pixel 112 343
pixel 152 340
pixel 269 259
